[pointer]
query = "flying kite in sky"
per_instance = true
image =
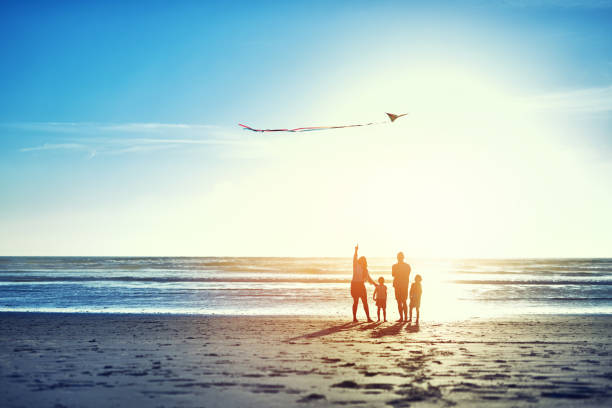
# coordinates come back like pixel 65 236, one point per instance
pixel 391 116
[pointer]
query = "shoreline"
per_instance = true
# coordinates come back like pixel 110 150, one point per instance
pixel 83 359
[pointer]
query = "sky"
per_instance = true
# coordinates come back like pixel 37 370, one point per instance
pixel 119 128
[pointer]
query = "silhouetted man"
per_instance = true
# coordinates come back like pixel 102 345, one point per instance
pixel 401 279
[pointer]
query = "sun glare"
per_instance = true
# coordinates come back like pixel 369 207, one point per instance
pixel 439 182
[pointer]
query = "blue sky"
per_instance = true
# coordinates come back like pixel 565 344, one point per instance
pixel 118 127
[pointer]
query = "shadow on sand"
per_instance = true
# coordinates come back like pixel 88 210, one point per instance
pixel 393 330
pixel 389 331
pixel 370 326
pixel 326 332
pixel 412 328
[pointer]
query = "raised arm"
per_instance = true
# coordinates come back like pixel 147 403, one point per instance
pixel 355 256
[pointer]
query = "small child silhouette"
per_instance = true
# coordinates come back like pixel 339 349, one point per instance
pixel 380 296
pixel 415 297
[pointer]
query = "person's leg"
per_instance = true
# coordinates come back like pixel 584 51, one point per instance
pixel 399 305
pixel 418 313
pixel 410 318
pixel 378 313
pixel 355 304
pixel 385 313
pixel 399 309
pixel 366 309
pixel 403 297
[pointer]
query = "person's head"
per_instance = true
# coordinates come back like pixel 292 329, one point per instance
pixel 363 262
pixel 418 278
pixel 400 257
pixel 381 280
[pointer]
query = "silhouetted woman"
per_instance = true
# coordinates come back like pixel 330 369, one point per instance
pixel 358 290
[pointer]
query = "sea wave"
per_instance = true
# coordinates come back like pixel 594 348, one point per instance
pixel 298 285
pixel 282 279
pixel 598 282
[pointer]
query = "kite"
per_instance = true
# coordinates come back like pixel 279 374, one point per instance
pixel 392 118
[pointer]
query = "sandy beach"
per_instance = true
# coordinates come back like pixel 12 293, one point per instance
pixel 66 360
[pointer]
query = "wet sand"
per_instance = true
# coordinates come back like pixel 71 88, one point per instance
pixel 96 360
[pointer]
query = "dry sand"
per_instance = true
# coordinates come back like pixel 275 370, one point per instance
pixel 56 360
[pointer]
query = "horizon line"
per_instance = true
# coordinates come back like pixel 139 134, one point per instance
pixel 311 257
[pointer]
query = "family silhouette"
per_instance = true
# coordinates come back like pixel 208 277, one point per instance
pixel 401 280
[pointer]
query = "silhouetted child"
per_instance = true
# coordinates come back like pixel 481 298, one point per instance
pixel 380 296
pixel 415 297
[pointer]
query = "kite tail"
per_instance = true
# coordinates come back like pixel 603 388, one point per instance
pixel 310 128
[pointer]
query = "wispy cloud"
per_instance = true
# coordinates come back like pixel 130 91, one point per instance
pixel 589 100
pixel 147 127
pixel 53 146
pixel 123 138
pixel 94 127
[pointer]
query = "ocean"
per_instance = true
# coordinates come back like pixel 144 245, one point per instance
pixel 452 289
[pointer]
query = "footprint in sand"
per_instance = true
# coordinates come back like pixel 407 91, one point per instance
pixel 312 397
pixel 346 384
pixel 330 360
